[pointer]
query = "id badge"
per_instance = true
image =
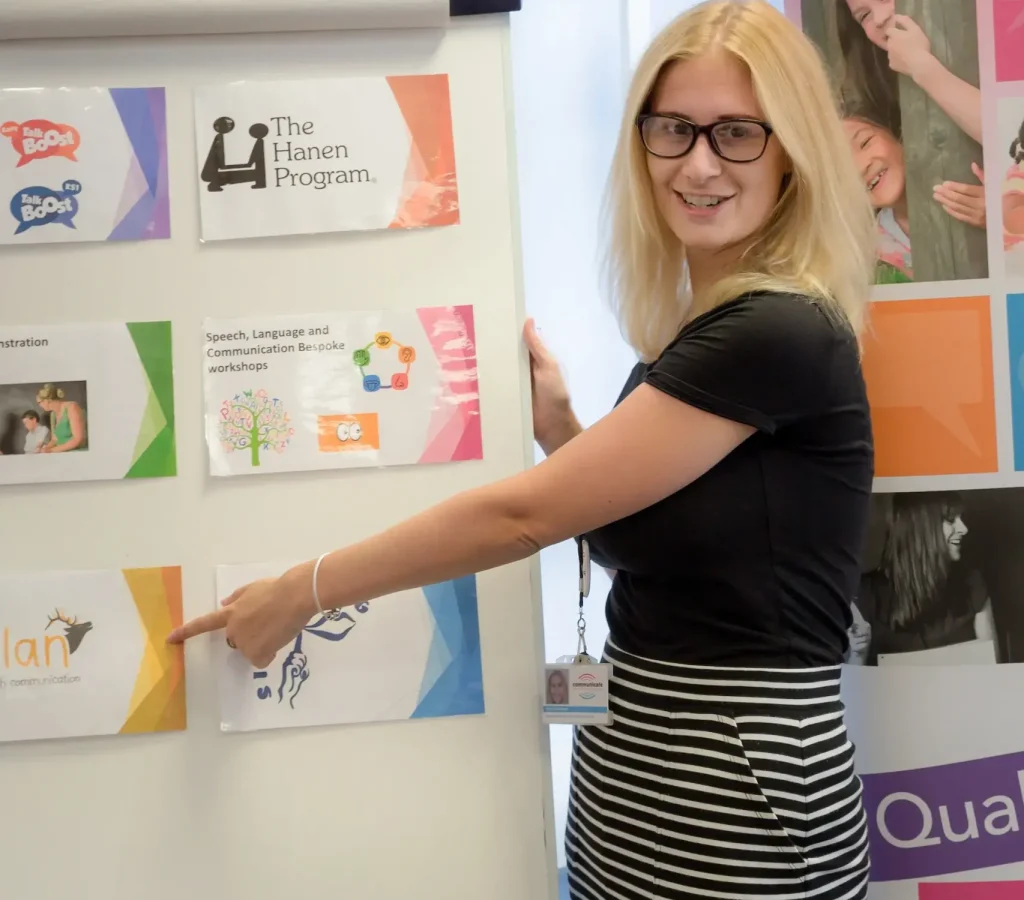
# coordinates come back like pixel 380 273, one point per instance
pixel 576 692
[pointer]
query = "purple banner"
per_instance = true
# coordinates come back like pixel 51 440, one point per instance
pixel 946 819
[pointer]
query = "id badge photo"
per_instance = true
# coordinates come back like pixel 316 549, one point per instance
pixel 576 686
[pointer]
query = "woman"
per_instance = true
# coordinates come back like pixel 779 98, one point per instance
pixel 729 488
pixel 878 44
pixel 879 157
pixel 67 421
pixel 923 595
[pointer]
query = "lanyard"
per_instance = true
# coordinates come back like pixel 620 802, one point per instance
pixel 583 552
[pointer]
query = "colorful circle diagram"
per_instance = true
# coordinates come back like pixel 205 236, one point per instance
pixel 382 341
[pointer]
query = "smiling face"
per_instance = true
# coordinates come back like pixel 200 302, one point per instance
pixel 874 16
pixel 709 203
pixel 879 157
pixel 953 530
pixel 557 689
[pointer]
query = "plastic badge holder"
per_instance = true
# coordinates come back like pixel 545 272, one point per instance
pixel 576 686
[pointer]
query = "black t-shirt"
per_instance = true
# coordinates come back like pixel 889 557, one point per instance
pixel 756 562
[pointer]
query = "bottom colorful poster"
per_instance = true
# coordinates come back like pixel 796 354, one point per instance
pixel 84 653
pixel 411 655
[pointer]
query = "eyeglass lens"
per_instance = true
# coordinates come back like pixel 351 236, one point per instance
pixel 734 140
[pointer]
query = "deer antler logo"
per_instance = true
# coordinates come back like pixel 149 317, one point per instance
pixel 74 630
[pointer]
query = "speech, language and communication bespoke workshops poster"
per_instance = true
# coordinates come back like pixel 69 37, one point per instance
pixel 336 390
pixel 410 655
pixel 932 98
pixel 302 157
pixel 86 402
pixel 85 653
pixel 83 164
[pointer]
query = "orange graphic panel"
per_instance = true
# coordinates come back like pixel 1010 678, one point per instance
pixel 928 367
pixel 348 433
pixel 431 194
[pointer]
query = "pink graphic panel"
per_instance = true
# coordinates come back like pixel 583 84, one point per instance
pixel 1008 18
pixel 971 890
pixel 454 434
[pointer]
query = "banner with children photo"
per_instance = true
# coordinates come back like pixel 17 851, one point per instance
pixel 908 77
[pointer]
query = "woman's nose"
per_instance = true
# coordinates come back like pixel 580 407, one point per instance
pixel 701 163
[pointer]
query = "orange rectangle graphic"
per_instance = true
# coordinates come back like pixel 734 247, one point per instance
pixel 348 433
pixel 928 367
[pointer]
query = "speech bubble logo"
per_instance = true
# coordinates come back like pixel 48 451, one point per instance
pixel 36 206
pixel 930 359
pixel 42 139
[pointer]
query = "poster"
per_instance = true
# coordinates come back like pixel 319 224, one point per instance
pixel 83 164
pixel 933 97
pixel 410 655
pixel 942 580
pixel 86 402
pixel 84 653
pixel 303 157
pixel 1011 135
pixel 913 116
pixel 337 390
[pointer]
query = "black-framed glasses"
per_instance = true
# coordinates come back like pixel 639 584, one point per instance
pixel 734 140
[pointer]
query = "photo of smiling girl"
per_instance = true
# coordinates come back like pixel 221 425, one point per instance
pixel 909 84
pixel 880 158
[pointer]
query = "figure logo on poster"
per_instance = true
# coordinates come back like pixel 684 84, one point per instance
pixel 217 172
pixel 35 206
pixel 334 626
pixel 41 139
pixel 254 421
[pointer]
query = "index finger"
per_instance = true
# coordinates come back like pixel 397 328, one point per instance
pixel 200 625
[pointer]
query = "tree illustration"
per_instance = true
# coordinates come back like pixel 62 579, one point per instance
pixel 254 421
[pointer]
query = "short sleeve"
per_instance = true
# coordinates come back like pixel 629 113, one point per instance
pixel 764 360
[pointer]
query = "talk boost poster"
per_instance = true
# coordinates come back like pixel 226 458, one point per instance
pixel 83 164
pixel 302 157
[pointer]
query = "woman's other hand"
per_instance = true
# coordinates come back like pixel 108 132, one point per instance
pixel 910 51
pixel 554 423
pixel 965 202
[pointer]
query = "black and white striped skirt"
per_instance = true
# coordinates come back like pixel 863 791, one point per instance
pixel 716 782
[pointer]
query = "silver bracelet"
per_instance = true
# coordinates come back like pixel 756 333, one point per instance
pixel 316 593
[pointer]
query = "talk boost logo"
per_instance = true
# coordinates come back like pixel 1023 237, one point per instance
pixel 47 653
pixel 36 140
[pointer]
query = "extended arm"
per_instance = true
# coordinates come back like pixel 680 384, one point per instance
pixel 958 99
pixel 579 487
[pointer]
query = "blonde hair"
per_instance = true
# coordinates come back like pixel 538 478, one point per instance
pixel 820 239
pixel 50 392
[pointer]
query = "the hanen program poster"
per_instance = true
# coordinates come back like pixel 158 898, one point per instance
pixel 302 157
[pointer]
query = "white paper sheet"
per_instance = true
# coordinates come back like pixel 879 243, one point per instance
pixel 30 19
